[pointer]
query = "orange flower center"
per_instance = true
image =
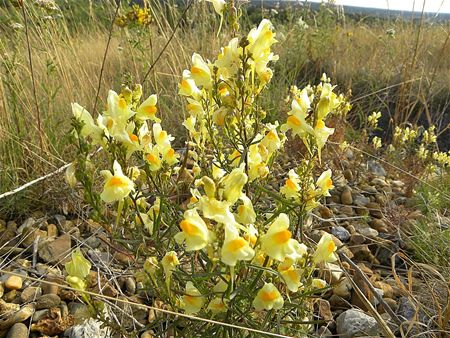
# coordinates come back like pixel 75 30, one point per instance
pixel 116 182
pixel 236 244
pixel 170 152
pixel 122 103
pixel 292 274
pixel 320 124
pixel 133 137
pixel 269 296
pixel 291 184
pixel 197 71
pixel 328 183
pixel 272 135
pixel 152 159
pixel 331 247
pixel 150 110
pixel 188 228
pixel 191 106
pixel 282 236
pixel 294 120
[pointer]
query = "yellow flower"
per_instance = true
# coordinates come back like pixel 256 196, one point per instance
pixel 193 231
pixel 325 251
pixel 161 137
pixel 291 186
pixel 235 248
pixel 89 127
pixel 195 108
pixel 268 298
pixel 154 159
pixel 376 141
pixel 170 156
pixel 217 305
pixel 187 86
pixel 117 186
pixel 245 212
pixel 200 71
pixel 318 283
pixel 322 132
pixel 278 243
pixel 325 183
pixel 291 276
pixel 192 301
pixel 216 210
pixel 147 110
pixel 233 184
pixel 70 174
pixel 296 121
pixel 271 139
pixel 219 5
pixel 169 263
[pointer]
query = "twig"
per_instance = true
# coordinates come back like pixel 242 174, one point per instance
pixel 372 289
pixel 104 57
pixel 168 41
pixel 30 61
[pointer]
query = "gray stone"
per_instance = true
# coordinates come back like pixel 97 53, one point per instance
pixel 341 233
pixel 360 200
pixel 80 311
pixel 376 168
pixel 355 323
pixel 57 251
pixel 90 328
pixel 343 289
pixel 18 330
pixel 39 314
pixel 130 285
pixel 48 301
pixel 368 232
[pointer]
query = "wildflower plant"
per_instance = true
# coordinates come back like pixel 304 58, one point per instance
pixel 231 245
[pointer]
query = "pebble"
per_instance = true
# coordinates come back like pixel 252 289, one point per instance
pixel 378 225
pixel 79 311
pixel 23 314
pixel 147 334
pixel 52 230
pixel 56 251
pixel 368 232
pixel 39 314
pixel 374 209
pixel 47 301
pixel 376 168
pixel 341 233
pixel 354 323
pixel 30 294
pixel 130 285
pixel 14 283
pixel 18 330
pixel 343 289
pixel 348 174
pixel 360 200
pixel 346 196
pixel 51 288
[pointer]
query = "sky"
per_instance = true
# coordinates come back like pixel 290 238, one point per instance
pixel 442 6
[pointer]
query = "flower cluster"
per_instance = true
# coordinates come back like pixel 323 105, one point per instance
pixel 134 16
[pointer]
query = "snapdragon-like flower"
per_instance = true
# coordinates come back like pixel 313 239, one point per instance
pixel 290 274
pixel 147 110
pixel 233 184
pixel 235 248
pixel 325 250
pixel 217 305
pixel 117 186
pixel 192 301
pixel 200 72
pixel 296 120
pixel 278 243
pixel 291 187
pixel 325 183
pixel 245 212
pixel 268 298
pixel 193 231
pixel 90 128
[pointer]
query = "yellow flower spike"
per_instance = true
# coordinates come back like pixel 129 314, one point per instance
pixel 245 213
pixel 325 251
pixel 151 266
pixel 147 110
pixel 219 6
pixel 117 186
pixel 193 231
pixel 200 72
pixel 145 221
pixel 217 305
pixel 233 183
pixel 192 301
pixel 278 243
pixel 291 186
pixel 222 285
pixel 235 248
pixel 291 276
pixel 325 183
pixel 251 235
pixel 78 266
pixel 268 298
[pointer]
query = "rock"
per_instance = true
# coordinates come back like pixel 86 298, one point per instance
pixel 332 273
pixel 346 196
pixel 11 296
pixel 348 174
pixel 67 295
pixel 354 323
pixel 378 225
pixel 341 233
pixel 57 251
pixel 388 291
pixel 408 311
pixel 30 294
pixel 391 303
pixel 374 209
pixel 379 181
pixel 39 314
pixel 357 239
pixel 325 212
pixel 90 328
pixel 130 286
pixel 376 168
pixel 324 310
pixel 47 301
pixel 18 330
pixel 14 283
pixel 363 253
pixel 19 316
pixel 79 311
pixel 339 303
pixel 368 232
pixel 51 288
pixel 343 289
pixel 6 308
pixel 347 210
pixel 30 235
pixel 360 200
pixel 27 224
pixel 361 211
pixel 52 230
pixel 147 334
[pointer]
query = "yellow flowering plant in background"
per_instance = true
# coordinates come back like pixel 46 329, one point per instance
pixel 216 232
